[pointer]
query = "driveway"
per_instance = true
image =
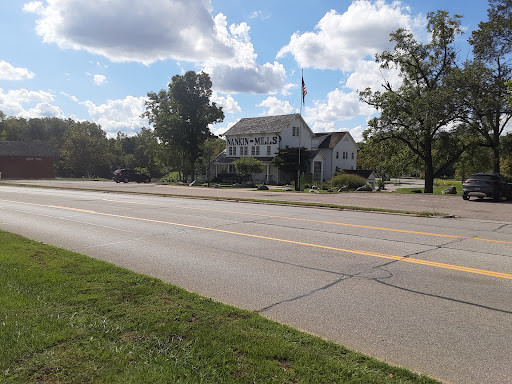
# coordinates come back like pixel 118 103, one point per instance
pixel 478 209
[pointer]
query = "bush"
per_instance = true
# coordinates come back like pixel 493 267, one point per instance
pixel 351 182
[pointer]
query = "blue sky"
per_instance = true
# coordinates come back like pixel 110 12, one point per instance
pixel 96 60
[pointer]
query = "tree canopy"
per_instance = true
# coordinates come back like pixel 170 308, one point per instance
pixel 181 117
pixel 422 112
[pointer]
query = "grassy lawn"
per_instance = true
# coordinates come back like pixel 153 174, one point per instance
pixel 439 185
pixel 67 318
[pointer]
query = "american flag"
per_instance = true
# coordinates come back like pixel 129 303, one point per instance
pixel 304 91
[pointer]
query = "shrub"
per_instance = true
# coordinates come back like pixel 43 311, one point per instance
pixel 351 182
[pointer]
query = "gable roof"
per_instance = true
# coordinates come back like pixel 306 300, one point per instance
pixel 262 125
pixel 22 148
pixel 331 139
pixel 366 173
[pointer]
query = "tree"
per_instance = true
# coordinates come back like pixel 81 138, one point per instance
pixel 484 79
pixel 424 107
pixel 84 152
pixel 248 166
pixel 181 116
pixel 292 160
pixel 209 149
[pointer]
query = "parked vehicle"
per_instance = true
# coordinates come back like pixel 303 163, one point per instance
pixel 487 185
pixel 127 175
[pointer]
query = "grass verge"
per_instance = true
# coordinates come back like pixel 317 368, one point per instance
pixel 67 318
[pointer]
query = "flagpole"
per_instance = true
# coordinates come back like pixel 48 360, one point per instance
pixel 298 188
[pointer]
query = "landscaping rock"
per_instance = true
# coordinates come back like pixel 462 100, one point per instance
pixel 450 191
pixel 216 186
pixel 364 188
pixel 192 184
pixel 314 190
pixel 262 188
pixel 287 189
pixel 416 191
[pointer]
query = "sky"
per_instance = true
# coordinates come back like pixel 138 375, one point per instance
pixel 96 60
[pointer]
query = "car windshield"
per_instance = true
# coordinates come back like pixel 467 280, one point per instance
pixel 483 177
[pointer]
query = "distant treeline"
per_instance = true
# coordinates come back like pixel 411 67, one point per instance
pixel 82 148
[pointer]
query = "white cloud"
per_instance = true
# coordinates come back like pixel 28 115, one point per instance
pixel 99 79
pixel 275 106
pixel 370 75
pixel 262 15
pixel 27 104
pixel 9 72
pixel 340 41
pixel 118 115
pixel 140 31
pixel 339 106
pixel 228 103
pixel 161 29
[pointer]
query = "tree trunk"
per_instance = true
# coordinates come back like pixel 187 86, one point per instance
pixel 429 168
pixel 496 159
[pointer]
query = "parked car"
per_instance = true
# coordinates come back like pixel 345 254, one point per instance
pixel 487 185
pixel 127 175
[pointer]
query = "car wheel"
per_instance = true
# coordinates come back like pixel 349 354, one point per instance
pixel 147 180
pixel 465 197
pixel 117 181
pixel 125 180
pixel 497 196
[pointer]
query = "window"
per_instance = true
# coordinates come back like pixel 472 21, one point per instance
pixel 244 151
pixel 231 168
pixel 269 150
pixel 232 151
pixel 317 171
pixel 295 131
pixel 337 155
pixel 345 155
pixel 352 155
pixel 253 150
pixel 257 150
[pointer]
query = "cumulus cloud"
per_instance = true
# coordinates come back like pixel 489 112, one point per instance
pixel 339 106
pixel 228 103
pixel 99 79
pixel 140 31
pixel 275 106
pixel 369 74
pixel 9 72
pixel 145 32
pixel 27 104
pixel 340 41
pixel 118 115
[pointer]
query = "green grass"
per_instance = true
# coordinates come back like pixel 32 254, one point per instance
pixel 67 318
pixel 439 185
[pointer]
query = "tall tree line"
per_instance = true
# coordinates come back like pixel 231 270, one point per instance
pixel 445 114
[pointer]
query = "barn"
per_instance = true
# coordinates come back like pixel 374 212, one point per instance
pixel 23 160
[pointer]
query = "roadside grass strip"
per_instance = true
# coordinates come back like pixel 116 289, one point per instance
pixel 68 318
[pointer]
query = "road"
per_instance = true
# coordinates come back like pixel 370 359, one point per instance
pixel 431 294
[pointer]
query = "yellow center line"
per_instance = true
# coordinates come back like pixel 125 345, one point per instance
pixel 353 251
pixel 333 223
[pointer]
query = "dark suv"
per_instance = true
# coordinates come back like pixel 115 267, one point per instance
pixel 126 175
pixel 486 185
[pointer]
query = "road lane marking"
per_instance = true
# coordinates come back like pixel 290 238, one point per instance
pixel 353 251
pixel 331 223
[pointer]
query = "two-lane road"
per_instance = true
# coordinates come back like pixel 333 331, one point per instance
pixel 430 294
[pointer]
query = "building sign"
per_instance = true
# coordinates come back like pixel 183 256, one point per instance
pixel 262 140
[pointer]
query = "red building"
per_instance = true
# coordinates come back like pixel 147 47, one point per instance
pixel 22 160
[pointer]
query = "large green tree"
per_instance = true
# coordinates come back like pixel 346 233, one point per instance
pixel 483 81
pixel 292 161
pixel 424 108
pixel 181 116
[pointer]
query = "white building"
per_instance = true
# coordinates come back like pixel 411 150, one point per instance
pixel 261 137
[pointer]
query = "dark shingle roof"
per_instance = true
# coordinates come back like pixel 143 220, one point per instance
pixel 21 148
pixel 332 139
pixel 262 125
pixel 360 172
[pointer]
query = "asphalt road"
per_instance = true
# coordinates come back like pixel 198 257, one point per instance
pixel 431 294
pixel 479 209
